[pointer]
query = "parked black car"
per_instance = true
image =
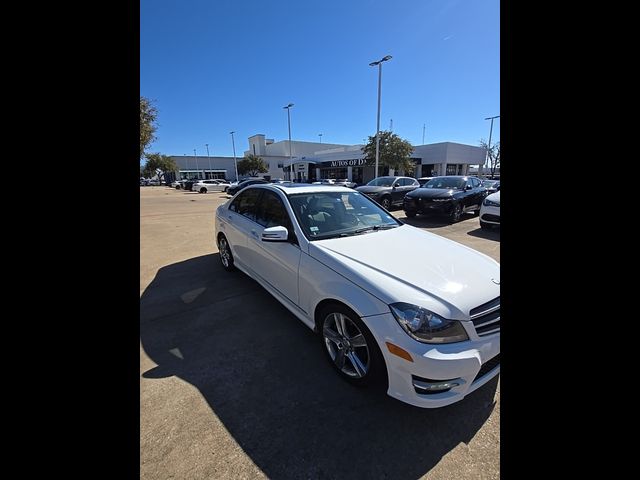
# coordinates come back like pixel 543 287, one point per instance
pixel 450 195
pixel 492 186
pixel 236 188
pixel 388 191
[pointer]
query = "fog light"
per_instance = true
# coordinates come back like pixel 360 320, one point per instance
pixel 426 385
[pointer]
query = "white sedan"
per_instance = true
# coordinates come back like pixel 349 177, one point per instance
pixel 424 327
pixel 490 211
pixel 206 186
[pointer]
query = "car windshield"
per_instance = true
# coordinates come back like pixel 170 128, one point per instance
pixel 445 182
pixel 382 182
pixel 323 215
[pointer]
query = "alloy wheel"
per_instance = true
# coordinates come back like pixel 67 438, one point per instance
pixel 346 344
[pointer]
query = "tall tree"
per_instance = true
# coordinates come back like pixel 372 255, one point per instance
pixel 395 152
pixel 148 126
pixel 493 155
pixel 158 164
pixel 252 165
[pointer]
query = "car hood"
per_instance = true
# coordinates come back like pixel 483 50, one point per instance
pixel 432 192
pixel 372 189
pixel 494 197
pixel 406 264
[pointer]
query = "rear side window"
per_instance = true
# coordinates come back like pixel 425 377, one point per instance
pixel 246 203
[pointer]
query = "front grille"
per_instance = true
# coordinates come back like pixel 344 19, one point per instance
pixel 488 366
pixel 488 217
pixel 486 317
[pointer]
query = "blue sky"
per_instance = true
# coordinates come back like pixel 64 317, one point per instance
pixel 220 65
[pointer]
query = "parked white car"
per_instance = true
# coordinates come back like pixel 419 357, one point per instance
pixel 490 211
pixel 206 186
pixel 425 327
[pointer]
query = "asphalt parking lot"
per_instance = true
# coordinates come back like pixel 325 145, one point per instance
pixel 234 386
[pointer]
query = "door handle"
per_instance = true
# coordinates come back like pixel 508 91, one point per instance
pixel 230 217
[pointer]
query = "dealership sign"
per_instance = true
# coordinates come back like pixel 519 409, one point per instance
pixel 356 162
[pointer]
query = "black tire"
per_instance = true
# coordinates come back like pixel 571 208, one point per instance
pixel 456 213
pixel 370 356
pixel 386 203
pixel 409 214
pixel 203 190
pixel 177 187
pixel 225 258
pixel 477 212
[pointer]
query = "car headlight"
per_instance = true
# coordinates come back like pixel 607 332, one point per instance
pixel 427 327
pixel 441 199
pixel 490 203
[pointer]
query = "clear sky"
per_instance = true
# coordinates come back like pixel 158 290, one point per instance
pixel 212 66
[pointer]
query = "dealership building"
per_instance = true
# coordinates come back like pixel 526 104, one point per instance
pixel 313 161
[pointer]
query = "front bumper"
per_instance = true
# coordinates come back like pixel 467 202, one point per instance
pixel 458 363
pixel 426 206
pixel 490 215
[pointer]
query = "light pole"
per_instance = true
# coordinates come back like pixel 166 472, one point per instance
pixel 379 64
pixel 424 127
pixel 490 132
pixel 210 172
pixel 288 108
pixel 235 162
pixel 197 170
pixel 320 135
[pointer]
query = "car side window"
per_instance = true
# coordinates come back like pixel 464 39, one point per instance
pixel 246 203
pixel 272 212
pixel 475 182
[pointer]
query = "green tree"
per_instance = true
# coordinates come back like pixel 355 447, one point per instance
pixel 395 152
pixel 148 115
pixel 493 155
pixel 158 164
pixel 252 165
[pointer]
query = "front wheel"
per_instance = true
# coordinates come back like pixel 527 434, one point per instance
pixel 226 257
pixel 456 213
pixel 386 203
pixel 350 346
pixel 203 190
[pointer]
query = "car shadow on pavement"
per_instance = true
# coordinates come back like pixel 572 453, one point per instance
pixel 433 221
pixel 265 376
pixel 493 234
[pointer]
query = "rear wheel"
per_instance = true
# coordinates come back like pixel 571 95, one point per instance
pixel 350 346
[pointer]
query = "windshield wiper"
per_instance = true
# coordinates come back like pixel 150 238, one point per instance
pixel 383 226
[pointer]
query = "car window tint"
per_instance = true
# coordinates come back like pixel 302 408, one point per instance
pixel 272 212
pixel 246 203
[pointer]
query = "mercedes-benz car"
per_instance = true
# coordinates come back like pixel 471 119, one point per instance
pixel 425 328
pixel 490 212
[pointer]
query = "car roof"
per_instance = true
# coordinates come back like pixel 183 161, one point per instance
pixel 301 188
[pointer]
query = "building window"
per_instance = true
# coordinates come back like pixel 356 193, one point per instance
pixel 454 169
pixel 333 173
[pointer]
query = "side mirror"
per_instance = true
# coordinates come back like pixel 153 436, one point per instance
pixel 275 234
pixel 468 187
pixel 394 186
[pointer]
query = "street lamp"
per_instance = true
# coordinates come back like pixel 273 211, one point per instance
pixel 320 135
pixel 288 108
pixel 197 169
pixel 379 64
pixel 490 132
pixel 210 172
pixel 235 162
